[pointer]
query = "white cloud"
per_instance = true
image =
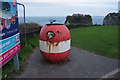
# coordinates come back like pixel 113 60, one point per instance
pixel 65 8
pixel 84 4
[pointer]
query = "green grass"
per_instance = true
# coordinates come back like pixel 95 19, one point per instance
pixel 102 40
pixel 8 69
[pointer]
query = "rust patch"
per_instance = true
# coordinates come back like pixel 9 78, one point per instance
pixel 51 46
pixel 56 43
pixel 48 46
pixel 58 32
pixel 51 42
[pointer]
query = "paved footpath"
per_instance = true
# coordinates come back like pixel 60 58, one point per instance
pixel 82 64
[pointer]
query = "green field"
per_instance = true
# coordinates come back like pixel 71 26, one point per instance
pixel 102 40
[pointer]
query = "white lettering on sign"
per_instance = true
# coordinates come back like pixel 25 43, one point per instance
pixel 15 48
pixel 1 58
pixel 5 44
pixel 5 55
pixel 2 34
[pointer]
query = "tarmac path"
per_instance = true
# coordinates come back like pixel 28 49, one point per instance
pixel 81 64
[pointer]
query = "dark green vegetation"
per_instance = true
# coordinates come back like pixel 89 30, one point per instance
pixel 30 27
pixel 78 20
pixel 112 19
pixel 32 43
pixel 102 40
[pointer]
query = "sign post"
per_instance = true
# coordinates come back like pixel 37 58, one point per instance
pixel 9 33
pixel 16 62
pixel 24 22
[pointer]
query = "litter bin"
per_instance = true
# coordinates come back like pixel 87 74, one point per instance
pixel 54 42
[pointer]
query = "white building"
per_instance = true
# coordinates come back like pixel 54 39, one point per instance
pixel 119 6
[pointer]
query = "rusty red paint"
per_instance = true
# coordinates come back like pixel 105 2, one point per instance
pixel 61 33
pixel 55 57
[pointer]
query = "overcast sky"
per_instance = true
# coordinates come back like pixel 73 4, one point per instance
pixel 68 7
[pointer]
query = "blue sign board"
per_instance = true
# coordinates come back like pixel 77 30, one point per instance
pixel 9 31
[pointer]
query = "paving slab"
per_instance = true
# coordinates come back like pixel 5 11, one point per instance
pixel 81 64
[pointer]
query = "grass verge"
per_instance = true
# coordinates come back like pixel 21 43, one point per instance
pixel 8 69
pixel 102 40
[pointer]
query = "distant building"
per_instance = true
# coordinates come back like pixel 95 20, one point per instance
pixel 119 7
